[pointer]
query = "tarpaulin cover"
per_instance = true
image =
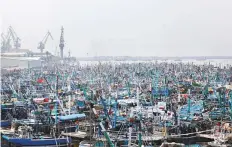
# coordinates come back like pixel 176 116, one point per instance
pixel 71 117
pixel 40 80
pixel 120 118
pixel 81 103
pixel 194 108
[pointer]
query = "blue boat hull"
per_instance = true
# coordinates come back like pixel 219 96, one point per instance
pixel 36 142
pixel 5 123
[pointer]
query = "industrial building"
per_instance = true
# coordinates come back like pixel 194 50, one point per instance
pixel 22 59
pixel 13 57
pixel 20 62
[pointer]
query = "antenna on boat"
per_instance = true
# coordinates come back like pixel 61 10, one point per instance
pixel 69 54
pixel 69 97
pixel 137 94
pixel 130 132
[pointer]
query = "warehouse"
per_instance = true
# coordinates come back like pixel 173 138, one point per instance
pixel 20 62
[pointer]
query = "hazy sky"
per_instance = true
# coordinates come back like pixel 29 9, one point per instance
pixel 124 27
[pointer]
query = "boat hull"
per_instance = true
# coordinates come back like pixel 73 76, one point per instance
pixel 64 145
pixel 5 123
pixel 36 142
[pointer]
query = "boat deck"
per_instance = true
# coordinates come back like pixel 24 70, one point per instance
pixel 154 137
pixel 6 131
pixel 223 137
pixel 78 134
pixel 208 136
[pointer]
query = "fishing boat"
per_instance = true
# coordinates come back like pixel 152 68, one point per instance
pixel 35 142
pixel 6 115
pixel 107 104
pixel 31 133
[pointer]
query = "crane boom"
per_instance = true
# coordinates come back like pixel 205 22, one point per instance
pixel 44 41
pixel 48 34
pixel 3 37
pixel 15 38
pixel 5 42
pixel 12 30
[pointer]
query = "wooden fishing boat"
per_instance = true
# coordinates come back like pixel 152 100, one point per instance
pixel 5 114
pixel 38 142
pixel 29 132
pixel 5 123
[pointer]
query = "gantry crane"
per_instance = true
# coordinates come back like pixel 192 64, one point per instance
pixel 43 42
pixel 15 38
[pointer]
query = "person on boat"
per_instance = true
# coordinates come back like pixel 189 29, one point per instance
pixel 77 126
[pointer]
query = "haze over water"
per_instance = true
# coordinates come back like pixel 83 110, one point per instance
pixel 216 62
pixel 124 27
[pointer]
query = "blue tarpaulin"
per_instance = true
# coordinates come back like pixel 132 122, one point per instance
pixel 81 104
pixel 163 91
pixel 194 108
pixel 71 117
pixel 120 118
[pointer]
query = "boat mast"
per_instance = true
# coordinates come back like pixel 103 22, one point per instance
pixel 137 95
pixel 130 132
pixel 69 97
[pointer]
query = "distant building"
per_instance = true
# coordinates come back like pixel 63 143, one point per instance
pixel 20 62
pixel 23 58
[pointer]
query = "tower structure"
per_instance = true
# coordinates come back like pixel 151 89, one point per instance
pixel 61 45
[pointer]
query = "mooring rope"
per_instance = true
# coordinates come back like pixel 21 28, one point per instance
pixel 192 133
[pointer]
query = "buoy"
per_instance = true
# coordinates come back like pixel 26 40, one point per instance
pixel 131 119
pixel 51 107
pixel 40 80
pixel 46 100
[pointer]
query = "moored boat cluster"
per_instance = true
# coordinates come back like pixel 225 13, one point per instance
pixel 108 104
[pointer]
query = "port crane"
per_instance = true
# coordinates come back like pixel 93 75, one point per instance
pixel 44 41
pixel 5 42
pixel 15 38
